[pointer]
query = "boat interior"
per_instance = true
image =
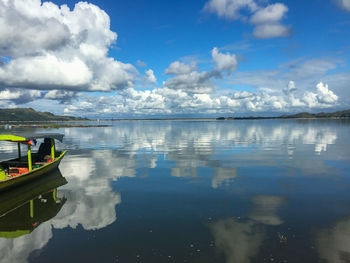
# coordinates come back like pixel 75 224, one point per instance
pixel 20 165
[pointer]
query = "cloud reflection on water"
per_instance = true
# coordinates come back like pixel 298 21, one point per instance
pixel 265 209
pixel 333 243
pixel 97 156
pixel 240 242
pixel 90 203
pixel 239 239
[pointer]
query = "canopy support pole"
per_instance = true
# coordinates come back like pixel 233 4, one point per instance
pixel 53 148
pixel 29 158
pixel 54 194
pixel 31 208
pixel 19 151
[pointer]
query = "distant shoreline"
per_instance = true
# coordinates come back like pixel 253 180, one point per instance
pixel 63 124
pixel 27 117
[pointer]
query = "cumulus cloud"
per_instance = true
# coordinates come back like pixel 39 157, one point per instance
pixel 187 77
pixel 323 98
pixel 194 82
pixel 19 96
pixel 178 68
pixel 45 70
pixel 271 31
pixel 141 64
pixel 51 47
pixel 190 99
pixel 222 61
pixel 62 96
pixel 307 73
pixel 149 76
pixel 267 19
pixel 230 9
pixel 324 95
pixel 270 14
pixel 290 88
pixel 345 4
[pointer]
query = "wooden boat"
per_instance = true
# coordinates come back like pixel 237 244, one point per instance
pixel 26 168
pixel 27 206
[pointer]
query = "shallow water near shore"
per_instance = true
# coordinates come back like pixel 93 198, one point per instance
pixel 194 191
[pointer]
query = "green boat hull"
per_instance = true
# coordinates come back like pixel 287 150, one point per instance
pixel 32 175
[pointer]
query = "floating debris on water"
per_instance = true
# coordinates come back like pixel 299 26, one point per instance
pixel 282 238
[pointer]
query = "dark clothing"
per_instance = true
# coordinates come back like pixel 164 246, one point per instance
pixel 44 149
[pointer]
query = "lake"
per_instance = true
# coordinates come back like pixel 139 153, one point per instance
pixel 191 191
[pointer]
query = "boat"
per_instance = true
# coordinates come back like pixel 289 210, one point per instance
pixel 33 165
pixel 27 206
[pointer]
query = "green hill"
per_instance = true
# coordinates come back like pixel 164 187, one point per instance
pixel 337 114
pixel 302 115
pixel 28 114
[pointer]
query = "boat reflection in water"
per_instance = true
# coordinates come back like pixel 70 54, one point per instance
pixel 23 209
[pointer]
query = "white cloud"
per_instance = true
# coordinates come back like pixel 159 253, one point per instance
pixel 178 68
pixel 270 14
pixel 141 64
pixel 222 61
pixel 190 91
pixel 267 19
pixel 230 9
pixel 62 96
pixel 307 73
pixel 345 4
pixel 168 100
pixel 323 98
pixel 194 82
pixel 241 95
pixel 9 95
pixel 19 96
pixel 324 95
pixel 187 77
pixel 53 47
pixel 290 88
pixel 149 76
pixel 45 70
pixel 271 31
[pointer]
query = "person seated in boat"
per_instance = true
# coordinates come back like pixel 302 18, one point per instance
pixel 48 159
pixel 44 149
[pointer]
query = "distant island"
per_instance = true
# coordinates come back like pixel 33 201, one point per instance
pixel 29 114
pixel 302 115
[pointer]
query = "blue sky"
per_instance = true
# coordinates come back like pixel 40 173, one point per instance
pixel 175 58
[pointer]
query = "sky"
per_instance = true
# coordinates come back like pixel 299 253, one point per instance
pixel 156 58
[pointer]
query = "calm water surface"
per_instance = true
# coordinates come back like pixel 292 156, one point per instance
pixel 192 191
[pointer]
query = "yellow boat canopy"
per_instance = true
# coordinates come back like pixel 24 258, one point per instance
pixel 27 138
